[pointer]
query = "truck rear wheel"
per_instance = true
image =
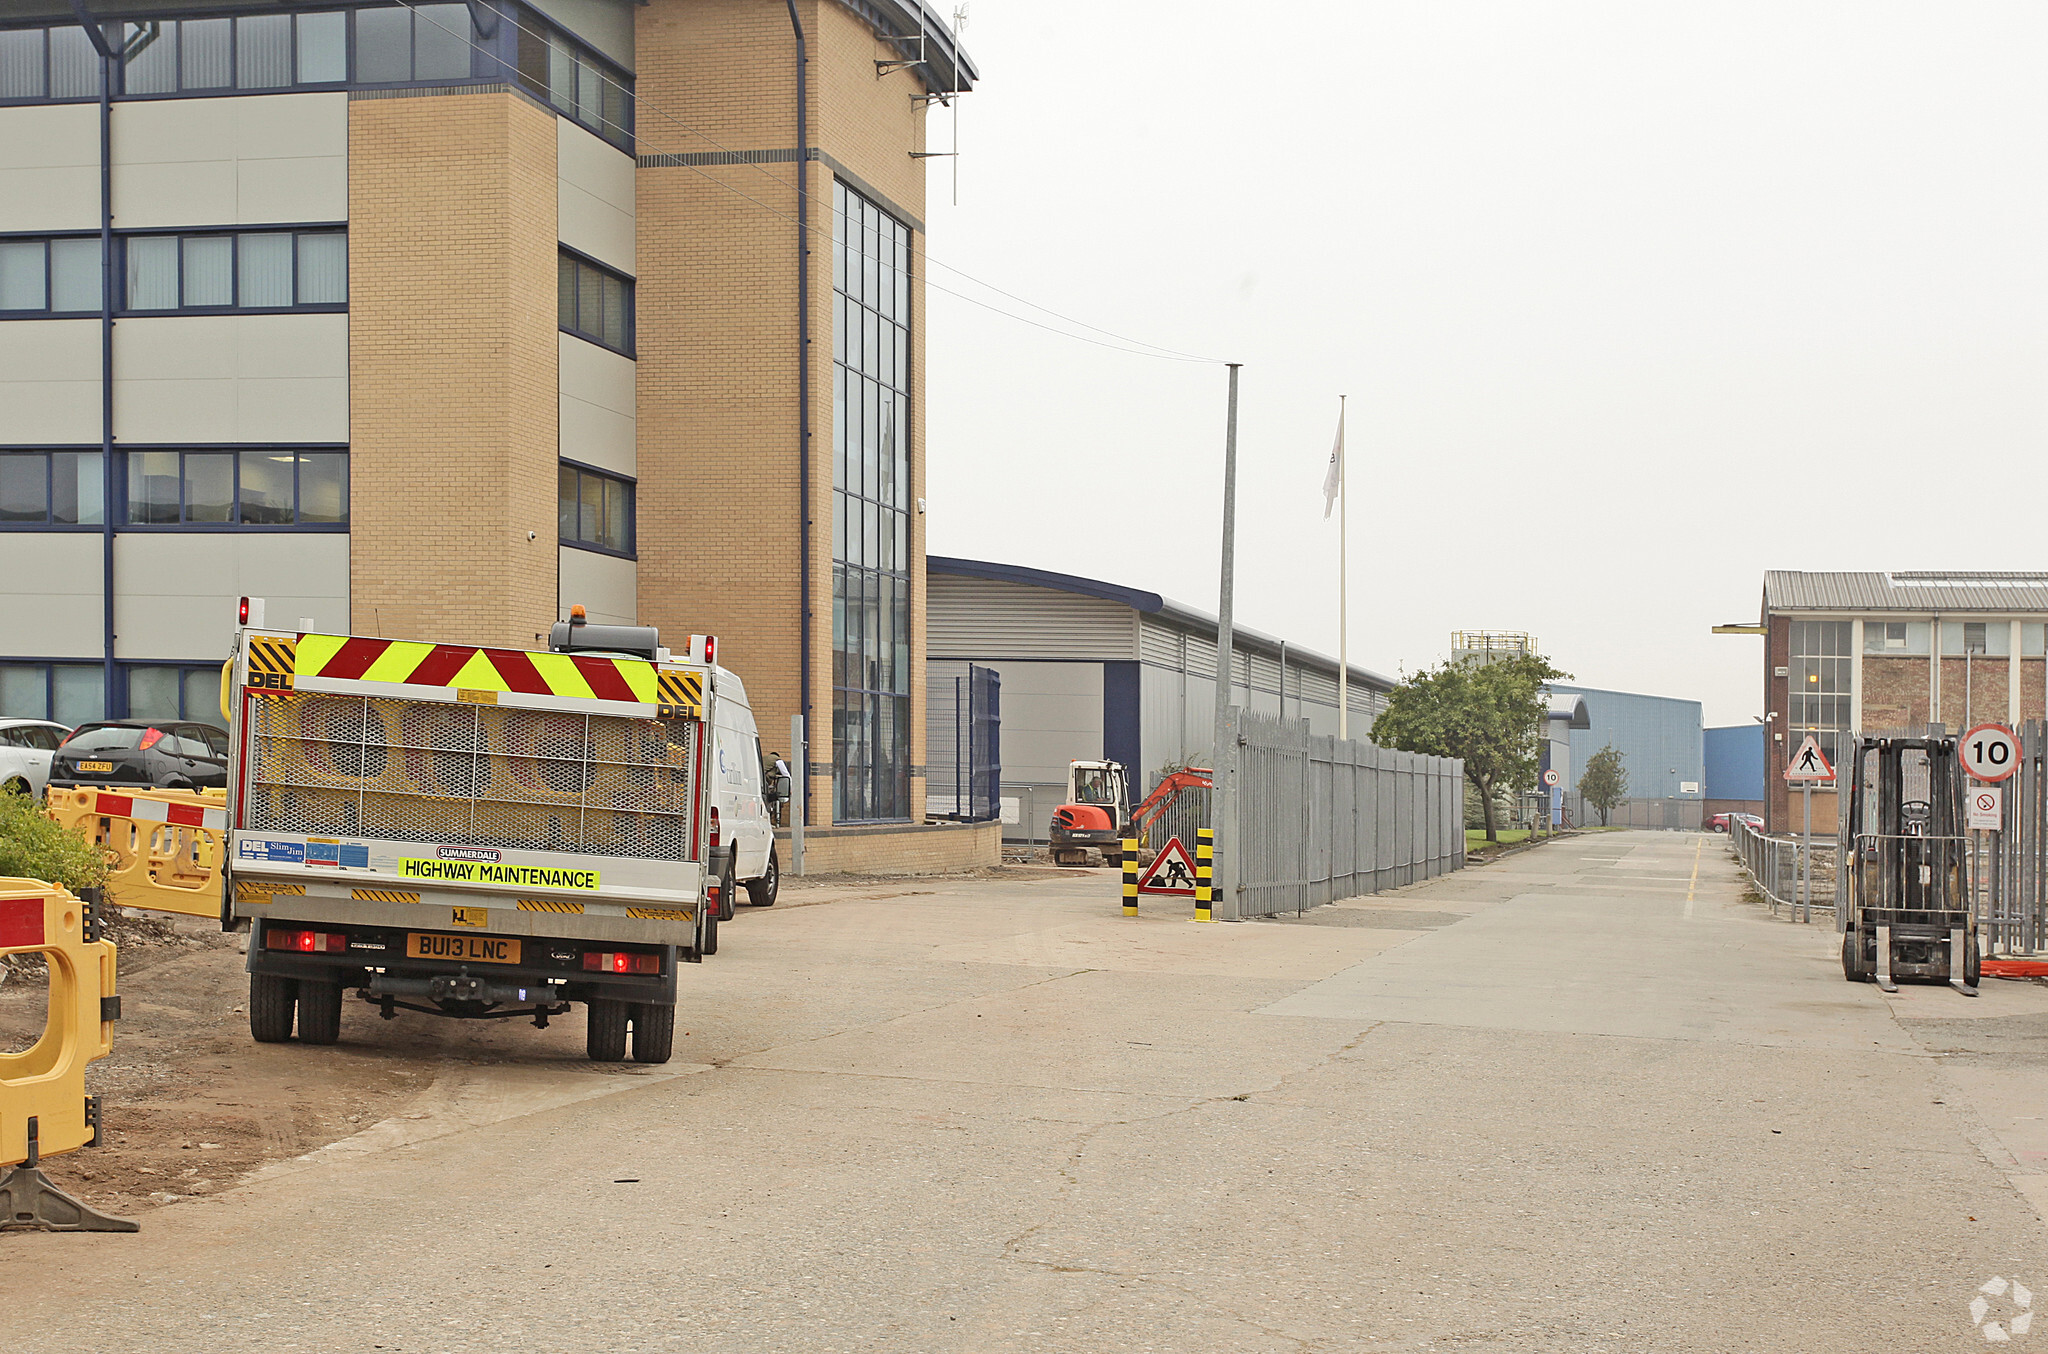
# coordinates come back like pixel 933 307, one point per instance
pixel 654 1031
pixel 319 1012
pixel 271 1000
pixel 761 892
pixel 710 929
pixel 604 1036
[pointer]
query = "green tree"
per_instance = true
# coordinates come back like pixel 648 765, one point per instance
pixel 1604 782
pixel 1490 715
pixel 32 846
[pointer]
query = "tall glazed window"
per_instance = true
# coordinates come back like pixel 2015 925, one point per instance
pixel 870 512
pixel 1819 689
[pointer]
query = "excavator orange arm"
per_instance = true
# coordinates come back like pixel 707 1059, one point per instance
pixel 1166 792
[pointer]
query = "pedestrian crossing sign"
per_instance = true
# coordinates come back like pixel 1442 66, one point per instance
pixel 1809 762
pixel 1173 873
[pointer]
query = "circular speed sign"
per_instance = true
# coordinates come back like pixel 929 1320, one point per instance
pixel 1991 752
pixel 1551 777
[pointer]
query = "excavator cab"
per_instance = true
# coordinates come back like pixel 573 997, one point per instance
pixel 1097 808
pixel 1909 913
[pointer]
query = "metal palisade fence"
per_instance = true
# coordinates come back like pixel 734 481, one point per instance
pixel 1319 819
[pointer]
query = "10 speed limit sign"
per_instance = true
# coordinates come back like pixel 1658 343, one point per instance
pixel 1991 752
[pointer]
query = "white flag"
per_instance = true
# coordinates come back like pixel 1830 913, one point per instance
pixel 1333 483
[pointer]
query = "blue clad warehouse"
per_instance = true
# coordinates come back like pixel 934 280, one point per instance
pixel 1661 745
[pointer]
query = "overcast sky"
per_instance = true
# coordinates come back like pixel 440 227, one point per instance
pixel 1632 301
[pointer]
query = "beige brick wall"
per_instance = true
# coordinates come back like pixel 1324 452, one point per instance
pixel 452 356
pixel 2033 696
pixel 1974 696
pixel 718 336
pixel 925 849
pixel 1894 691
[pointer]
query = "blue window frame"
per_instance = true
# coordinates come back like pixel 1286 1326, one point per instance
pixel 70 693
pixel 42 489
pixel 595 303
pixel 217 272
pixel 49 275
pixel 174 691
pixel 334 47
pixel 238 488
pixel 595 510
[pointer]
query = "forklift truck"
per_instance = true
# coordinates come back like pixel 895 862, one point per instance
pixel 1909 913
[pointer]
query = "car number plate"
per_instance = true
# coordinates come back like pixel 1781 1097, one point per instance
pixel 466 949
pixel 105 768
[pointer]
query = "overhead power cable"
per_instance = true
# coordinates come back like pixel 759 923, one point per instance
pixel 1124 343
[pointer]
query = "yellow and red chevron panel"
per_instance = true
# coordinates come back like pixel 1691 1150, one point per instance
pixel 469 668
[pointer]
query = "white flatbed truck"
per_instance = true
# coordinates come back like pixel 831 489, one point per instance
pixel 470 832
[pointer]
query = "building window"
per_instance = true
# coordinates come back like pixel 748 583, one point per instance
pixel 1895 635
pixel 59 276
pixel 582 85
pixel 51 489
pixel 870 512
pixel 1973 637
pixel 247 270
pixel 270 487
pixel 180 692
pixel 41 64
pixel 595 303
pixel 596 510
pixel 1819 699
pixel 70 693
pixel 326 49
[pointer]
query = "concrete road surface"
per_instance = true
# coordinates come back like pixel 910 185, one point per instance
pixel 1584 1098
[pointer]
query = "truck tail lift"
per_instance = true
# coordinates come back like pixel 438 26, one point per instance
pixel 1909 913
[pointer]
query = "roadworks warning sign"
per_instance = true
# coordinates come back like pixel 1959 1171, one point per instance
pixel 1173 873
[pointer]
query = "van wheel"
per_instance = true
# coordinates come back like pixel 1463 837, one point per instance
pixel 710 930
pixel 761 892
pixel 604 1036
pixel 728 885
pixel 319 1012
pixel 654 1031
pixel 271 1001
pixel 17 786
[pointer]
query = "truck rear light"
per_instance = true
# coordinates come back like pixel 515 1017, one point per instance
pixel 306 942
pixel 621 963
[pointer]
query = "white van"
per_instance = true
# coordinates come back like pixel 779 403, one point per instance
pixel 742 805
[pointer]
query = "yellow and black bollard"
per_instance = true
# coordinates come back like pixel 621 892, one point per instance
pixel 1205 873
pixel 1130 877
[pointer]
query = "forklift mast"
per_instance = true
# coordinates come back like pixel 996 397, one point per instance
pixel 1909 910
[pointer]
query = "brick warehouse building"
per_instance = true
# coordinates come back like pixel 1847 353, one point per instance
pixel 1871 651
pixel 316 362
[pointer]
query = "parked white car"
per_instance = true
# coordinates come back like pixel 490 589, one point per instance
pixel 25 749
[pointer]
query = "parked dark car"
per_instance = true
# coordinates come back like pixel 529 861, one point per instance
pixel 163 755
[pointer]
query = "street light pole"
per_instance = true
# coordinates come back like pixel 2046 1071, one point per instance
pixel 1224 906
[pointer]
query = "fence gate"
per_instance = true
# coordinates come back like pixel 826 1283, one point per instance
pixel 1319 819
pixel 964 725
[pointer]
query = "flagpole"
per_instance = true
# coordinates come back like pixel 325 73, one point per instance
pixel 1343 578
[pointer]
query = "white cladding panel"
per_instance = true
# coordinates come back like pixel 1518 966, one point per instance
pixel 605 585
pixel 598 418
pixel 983 619
pixel 50 381
pixel 50 595
pixel 175 591
pixel 1052 715
pixel 594 196
pixel 50 167
pixel 264 159
pixel 231 378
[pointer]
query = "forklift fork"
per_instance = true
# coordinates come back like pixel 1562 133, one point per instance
pixel 1958 972
pixel 1884 959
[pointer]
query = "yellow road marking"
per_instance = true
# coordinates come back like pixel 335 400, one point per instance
pixel 1694 882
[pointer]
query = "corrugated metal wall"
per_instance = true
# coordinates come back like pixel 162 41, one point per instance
pixel 1659 738
pixel 981 619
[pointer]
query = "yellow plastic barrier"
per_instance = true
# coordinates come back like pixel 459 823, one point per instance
pixel 163 847
pixel 43 1106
